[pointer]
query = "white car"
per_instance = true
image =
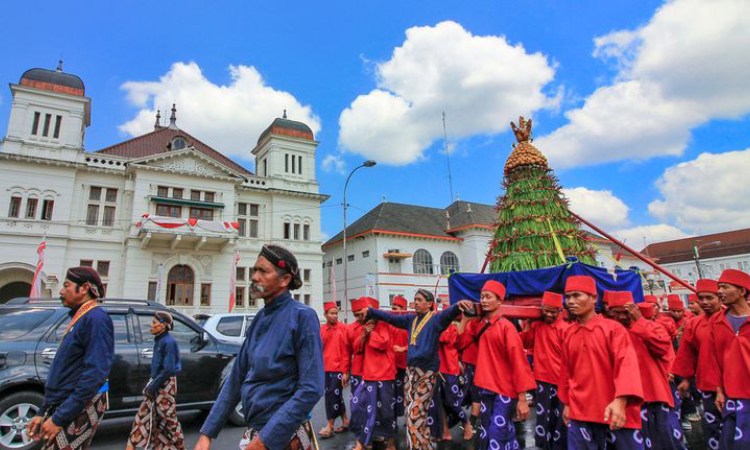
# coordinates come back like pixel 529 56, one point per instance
pixel 228 327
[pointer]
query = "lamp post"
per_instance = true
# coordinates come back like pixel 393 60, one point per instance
pixel 368 163
pixel 697 257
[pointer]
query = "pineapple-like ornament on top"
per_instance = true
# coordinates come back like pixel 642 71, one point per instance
pixel 534 228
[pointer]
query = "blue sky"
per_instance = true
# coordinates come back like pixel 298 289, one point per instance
pixel 642 107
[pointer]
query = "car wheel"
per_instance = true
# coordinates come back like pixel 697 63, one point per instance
pixel 16 410
pixel 235 417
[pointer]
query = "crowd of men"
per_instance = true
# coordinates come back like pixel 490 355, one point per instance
pixel 604 373
pixel 600 380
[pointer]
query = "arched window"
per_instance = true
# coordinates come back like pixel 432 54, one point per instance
pixel 423 262
pixel 180 286
pixel 448 262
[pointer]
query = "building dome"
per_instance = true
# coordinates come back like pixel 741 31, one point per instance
pixel 286 127
pixel 54 81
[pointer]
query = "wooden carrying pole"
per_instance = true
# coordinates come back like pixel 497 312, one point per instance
pixel 634 253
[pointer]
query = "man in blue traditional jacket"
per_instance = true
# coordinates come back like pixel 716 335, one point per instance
pixel 75 396
pixel 422 361
pixel 278 374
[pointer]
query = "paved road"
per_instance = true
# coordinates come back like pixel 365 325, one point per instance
pixel 113 434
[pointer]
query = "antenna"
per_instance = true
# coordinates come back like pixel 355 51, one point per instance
pixel 447 157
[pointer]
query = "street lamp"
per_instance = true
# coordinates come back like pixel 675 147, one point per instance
pixel 368 163
pixel 697 256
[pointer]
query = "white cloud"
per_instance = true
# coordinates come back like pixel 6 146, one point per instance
pixel 481 82
pixel 687 66
pixel 228 117
pixel 705 195
pixel 334 163
pixel 602 208
pixel 640 236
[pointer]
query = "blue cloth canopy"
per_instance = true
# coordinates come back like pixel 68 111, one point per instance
pixel 533 283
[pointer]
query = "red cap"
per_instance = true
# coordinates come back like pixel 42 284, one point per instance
pixel 647 310
pixel 329 305
pixel 373 302
pixel 707 285
pixel 360 304
pixel 674 302
pixel 399 301
pixel 692 298
pixel 495 287
pixel 651 299
pixel 735 277
pixel 582 283
pixel 615 299
pixel 552 299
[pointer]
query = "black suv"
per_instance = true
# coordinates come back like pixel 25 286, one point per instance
pixel 31 331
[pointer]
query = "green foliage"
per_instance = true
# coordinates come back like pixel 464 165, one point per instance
pixel 533 203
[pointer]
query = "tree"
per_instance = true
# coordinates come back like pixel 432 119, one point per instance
pixel 534 228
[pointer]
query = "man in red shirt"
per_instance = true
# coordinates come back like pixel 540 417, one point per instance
pixel 694 305
pixel 373 401
pixel 446 409
pixel 400 348
pixel 731 344
pixel 695 360
pixel 336 365
pixel 467 330
pixel 545 338
pixel 503 374
pixel 653 347
pixel 601 381
pixel 356 368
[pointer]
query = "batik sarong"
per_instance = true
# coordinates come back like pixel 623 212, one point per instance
pixel 711 420
pixel 373 411
pixel 447 400
pixel 660 428
pixel 334 395
pixel 77 435
pixel 471 392
pixel 419 387
pixel 399 391
pixel 156 426
pixel 549 433
pixel 498 431
pixel 354 382
pixel 598 436
pixel 303 439
pixel 735 425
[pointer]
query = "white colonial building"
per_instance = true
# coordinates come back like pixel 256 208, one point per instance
pixel 396 249
pixel 160 215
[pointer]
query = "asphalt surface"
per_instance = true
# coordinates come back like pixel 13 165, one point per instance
pixel 113 434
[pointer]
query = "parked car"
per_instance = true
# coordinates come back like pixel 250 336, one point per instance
pixel 31 331
pixel 230 327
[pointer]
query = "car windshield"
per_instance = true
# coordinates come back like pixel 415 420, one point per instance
pixel 15 323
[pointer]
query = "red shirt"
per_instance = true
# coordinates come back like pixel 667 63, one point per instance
pixel 335 348
pixel 502 366
pixel 732 355
pixel 599 364
pixel 694 357
pixel 668 322
pixel 546 341
pixel 400 338
pixel 467 343
pixel 358 353
pixel 653 347
pixel 380 362
pixel 448 352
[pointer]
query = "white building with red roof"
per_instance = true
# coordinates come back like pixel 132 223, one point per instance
pixel 160 215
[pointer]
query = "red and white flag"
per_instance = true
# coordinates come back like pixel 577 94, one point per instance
pixel 36 283
pixel 233 280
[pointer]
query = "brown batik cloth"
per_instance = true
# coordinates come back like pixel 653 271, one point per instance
pixel 156 426
pixel 303 439
pixel 78 434
pixel 420 384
